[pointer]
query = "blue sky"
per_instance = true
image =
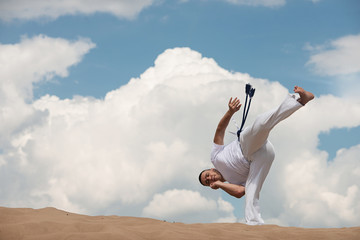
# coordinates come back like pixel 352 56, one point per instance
pixel 264 42
pixel 280 42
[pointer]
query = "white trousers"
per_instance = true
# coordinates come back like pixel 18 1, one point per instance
pixel 260 153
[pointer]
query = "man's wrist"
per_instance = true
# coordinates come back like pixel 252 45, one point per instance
pixel 230 112
pixel 219 184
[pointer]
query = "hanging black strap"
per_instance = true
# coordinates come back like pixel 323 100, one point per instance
pixel 249 93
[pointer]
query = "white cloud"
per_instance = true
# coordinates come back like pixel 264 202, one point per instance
pixel 40 58
pixel 23 9
pixel 182 205
pixel 317 188
pixel 30 61
pixel 339 57
pixel 265 3
pixel 146 142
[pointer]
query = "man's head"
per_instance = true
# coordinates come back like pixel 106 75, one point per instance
pixel 208 176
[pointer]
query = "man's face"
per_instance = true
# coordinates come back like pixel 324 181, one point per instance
pixel 210 176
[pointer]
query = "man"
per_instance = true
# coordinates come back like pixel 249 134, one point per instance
pixel 243 165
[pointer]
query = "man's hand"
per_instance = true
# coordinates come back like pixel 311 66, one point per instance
pixel 234 105
pixel 234 190
pixel 215 185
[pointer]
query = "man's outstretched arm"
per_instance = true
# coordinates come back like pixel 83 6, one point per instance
pixel 234 106
pixel 234 190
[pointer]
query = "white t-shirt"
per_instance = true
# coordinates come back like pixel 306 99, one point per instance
pixel 230 162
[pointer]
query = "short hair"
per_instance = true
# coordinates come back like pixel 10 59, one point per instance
pixel 200 176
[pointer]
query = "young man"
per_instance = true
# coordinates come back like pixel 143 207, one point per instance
pixel 244 164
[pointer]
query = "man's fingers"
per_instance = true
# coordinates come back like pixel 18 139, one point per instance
pixel 234 104
pixel 236 101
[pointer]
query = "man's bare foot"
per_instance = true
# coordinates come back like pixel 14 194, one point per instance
pixel 305 96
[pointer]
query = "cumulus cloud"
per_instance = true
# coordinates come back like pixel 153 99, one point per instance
pixel 22 9
pixel 182 205
pixel 40 58
pixel 139 150
pixel 338 57
pixel 339 61
pixel 31 61
pixel 315 197
pixel 23 64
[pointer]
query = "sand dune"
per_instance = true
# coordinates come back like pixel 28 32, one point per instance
pixel 50 223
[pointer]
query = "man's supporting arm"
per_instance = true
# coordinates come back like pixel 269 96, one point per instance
pixel 234 190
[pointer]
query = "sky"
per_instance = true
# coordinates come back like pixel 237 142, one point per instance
pixel 110 107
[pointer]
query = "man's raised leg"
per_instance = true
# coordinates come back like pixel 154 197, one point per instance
pixel 255 136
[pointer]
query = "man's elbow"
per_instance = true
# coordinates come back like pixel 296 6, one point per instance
pixel 239 194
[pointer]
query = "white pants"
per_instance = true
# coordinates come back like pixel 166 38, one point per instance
pixel 260 153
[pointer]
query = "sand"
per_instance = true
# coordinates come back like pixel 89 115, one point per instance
pixel 54 224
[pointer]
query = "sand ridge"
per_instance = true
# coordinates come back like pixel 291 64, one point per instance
pixel 51 223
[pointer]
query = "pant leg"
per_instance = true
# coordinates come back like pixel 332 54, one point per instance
pixel 260 152
pixel 254 137
pixel 259 169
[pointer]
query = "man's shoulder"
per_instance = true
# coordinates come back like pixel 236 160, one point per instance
pixel 216 149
